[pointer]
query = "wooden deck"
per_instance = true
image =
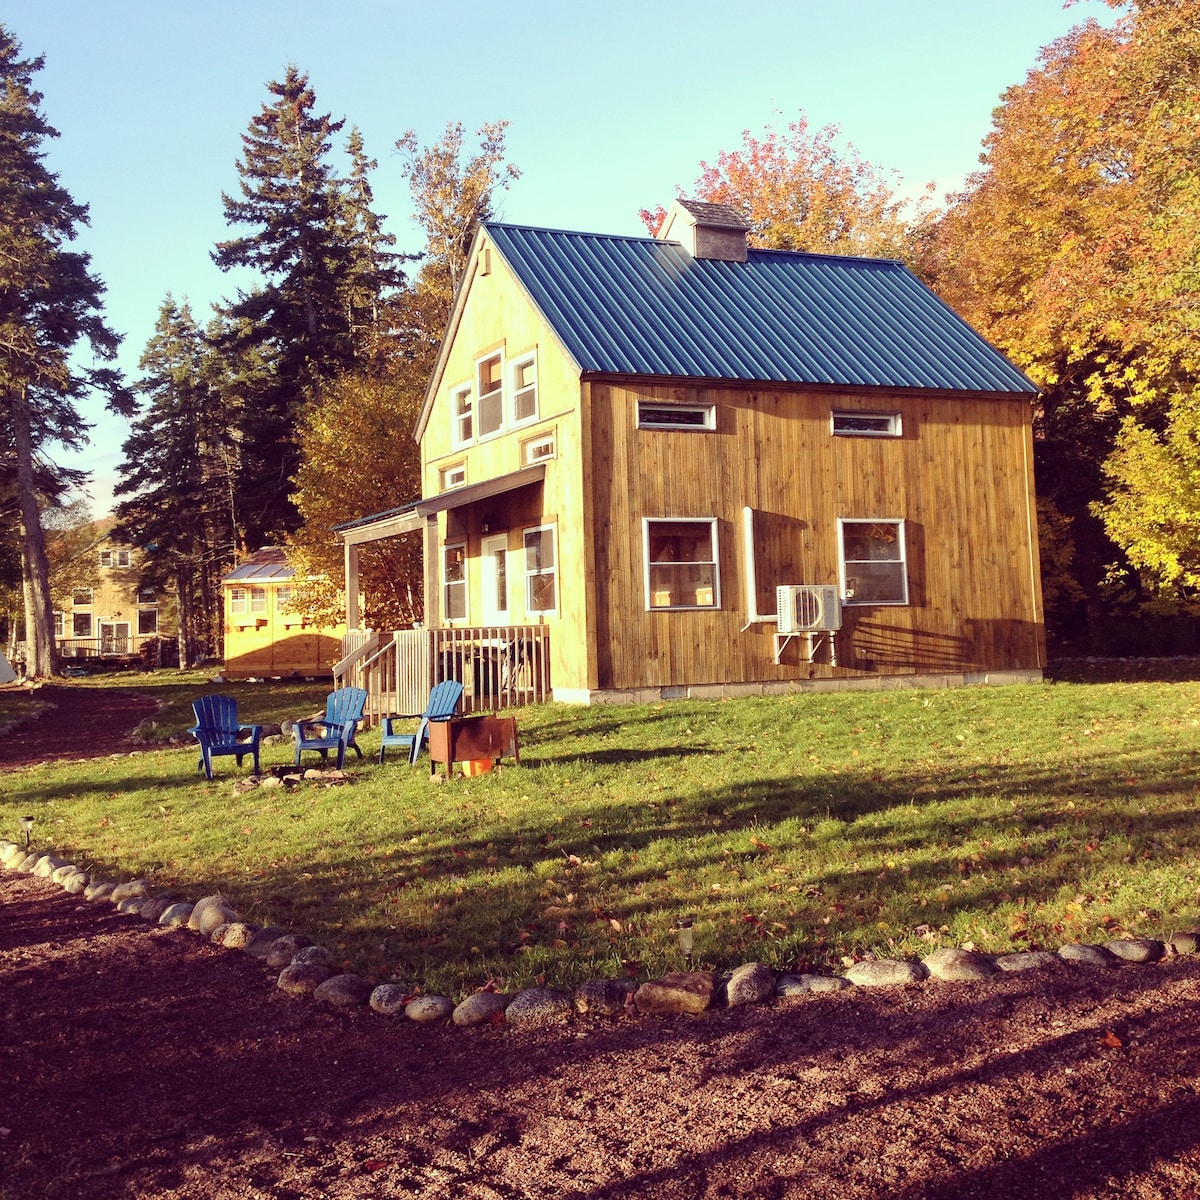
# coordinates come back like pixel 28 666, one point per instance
pixel 503 666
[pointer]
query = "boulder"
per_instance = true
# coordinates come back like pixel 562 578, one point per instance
pixel 798 985
pixel 342 991
pixel 752 983
pixel 1136 950
pixel 481 1009
pixel 958 966
pixel 604 997
pixel 389 999
pixel 534 1007
pixel 427 1009
pixel 687 992
pixel 1087 955
pixel 175 915
pixel 283 949
pixel 259 946
pixel 885 972
pixel 1027 960
pixel 302 979
pixel 210 912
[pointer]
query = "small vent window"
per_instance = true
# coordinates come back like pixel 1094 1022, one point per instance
pixel 452 477
pixel 847 423
pixel 537 450
pixel 652 415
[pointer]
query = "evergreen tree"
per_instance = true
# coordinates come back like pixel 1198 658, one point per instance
pixel 49 302
pixel 177 473
pixel 299 319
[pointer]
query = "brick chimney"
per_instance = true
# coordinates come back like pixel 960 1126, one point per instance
pixel 707 230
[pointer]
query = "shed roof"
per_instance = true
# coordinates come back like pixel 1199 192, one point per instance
pixel 267 565
pixel 642 306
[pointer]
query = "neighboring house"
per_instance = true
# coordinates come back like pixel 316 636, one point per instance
pixel 262 636
pixel 117 617
pixel 636 442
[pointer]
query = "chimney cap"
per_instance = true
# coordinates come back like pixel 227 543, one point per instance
pixel 704 230
pixel 718 216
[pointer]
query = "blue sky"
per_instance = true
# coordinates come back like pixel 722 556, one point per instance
pixel 611 107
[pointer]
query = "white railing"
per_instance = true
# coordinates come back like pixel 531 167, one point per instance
pixel 500 666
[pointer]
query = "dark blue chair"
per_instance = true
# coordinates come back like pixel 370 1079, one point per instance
pixel 218 731
pixel 336 729
pixel 443 704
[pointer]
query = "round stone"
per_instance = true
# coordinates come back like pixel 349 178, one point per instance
pixel 283 949
pixel 798 985
pixel 958 966
pixel 752 983
pixel 885 972
pixel 480 1009
pixel 313 954
pixel 539 1006
pixel 259 946
pixel 428 1009
pixel 237 935
pixel 1186 941
pixel 300 980
pixel 1087 955
pixel 604 997
pixel 1136 950
pixel 1027 960
pixel 388 999
pixel 176 914
pixel 343 991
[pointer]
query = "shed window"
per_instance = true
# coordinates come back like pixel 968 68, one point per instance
pixel 652 415
pixel 873 564
pixel 454 582
pixel 848 423
pixel 525 405
pixel 541 570
pixel 681 563
pixel 491 395
pixel 237 600
pixel 258 600
pixel 463 428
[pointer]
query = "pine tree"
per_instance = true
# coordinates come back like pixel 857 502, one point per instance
pixel 176 471
pixel 297 320
pixel 49 302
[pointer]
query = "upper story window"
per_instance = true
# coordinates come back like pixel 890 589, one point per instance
pixel 147 595
pixel 452 477
pixel 114 558
pixel 490 376
pixel 850 423
pixel 461 405
pixel 681 563
pixel 81 597
pixel 873 562
pixel 653 415
pixel 524 382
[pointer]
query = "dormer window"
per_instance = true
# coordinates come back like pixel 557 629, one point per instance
pixel 490 372
pixel 525 405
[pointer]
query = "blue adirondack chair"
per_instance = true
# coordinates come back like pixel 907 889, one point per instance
pixel 443 703
pixel 218 731
pixel 336 729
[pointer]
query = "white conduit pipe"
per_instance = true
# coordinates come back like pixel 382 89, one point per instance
pixel 753 616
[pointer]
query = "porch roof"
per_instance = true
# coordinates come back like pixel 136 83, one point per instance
pixel 411 517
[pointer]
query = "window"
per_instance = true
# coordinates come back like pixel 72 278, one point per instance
pixel 147 622
pixel 59 625
pixel 541 570
pixel 81 596
pixel 849 423
pixel 525 406
pixel 454 582
pixel 114 558
pixel 491 395
pixel 452 477
pixel 681 563
pixel 537 450
pixel 463 428
pixel 283 597
pixel 106 558
pixel 652 415
pixel 872 562
pixel 81 625
pixel 258 600
pixel 237 600
pixel 147 595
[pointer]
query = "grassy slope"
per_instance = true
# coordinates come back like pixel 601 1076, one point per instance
pixel 796 831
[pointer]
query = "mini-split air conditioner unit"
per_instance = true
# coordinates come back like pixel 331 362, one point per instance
pixel 808 608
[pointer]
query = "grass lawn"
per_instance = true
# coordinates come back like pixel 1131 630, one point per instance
pixel 798 831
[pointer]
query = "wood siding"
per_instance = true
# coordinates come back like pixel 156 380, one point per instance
pixel 273 642
pixel 959 478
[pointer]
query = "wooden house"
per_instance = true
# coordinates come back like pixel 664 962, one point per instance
pixel 263 636
pixel 113 615
pixel 704 470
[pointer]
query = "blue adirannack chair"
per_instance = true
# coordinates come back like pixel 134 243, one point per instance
pixel 336 729
pixel 443 704
pixel 218 731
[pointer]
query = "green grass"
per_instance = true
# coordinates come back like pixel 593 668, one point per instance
pixel 796 831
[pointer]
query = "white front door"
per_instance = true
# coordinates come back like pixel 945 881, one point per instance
pixel 114 637
pixel 493 552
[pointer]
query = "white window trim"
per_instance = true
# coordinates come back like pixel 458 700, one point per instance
pixel 464 583
pixel 902 540
pixel 239 604
pixel 707 411
pixel 480 436
pixel 91 597
pixel 258 600
pixel 711 522
pixel 548 440
pixel 894 430
pixel 529 575
pixel 456 393
pixel 514 369
pixel 446 480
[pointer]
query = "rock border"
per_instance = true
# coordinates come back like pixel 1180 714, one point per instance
pixel 308 969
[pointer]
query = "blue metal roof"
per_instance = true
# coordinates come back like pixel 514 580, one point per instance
pixel 640 306
pixel 267 565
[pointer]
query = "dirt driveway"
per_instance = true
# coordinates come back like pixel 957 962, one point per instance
pixel 140 1062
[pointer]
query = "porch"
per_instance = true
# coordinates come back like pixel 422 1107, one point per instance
pixel 499 666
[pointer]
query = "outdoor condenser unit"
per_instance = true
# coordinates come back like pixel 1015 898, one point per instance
pixel 808 608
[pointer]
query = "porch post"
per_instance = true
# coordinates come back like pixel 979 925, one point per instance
pixel 433 574
pixel 351 558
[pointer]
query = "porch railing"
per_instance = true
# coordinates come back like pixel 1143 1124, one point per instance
pixel 502 666
pixel 115 645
